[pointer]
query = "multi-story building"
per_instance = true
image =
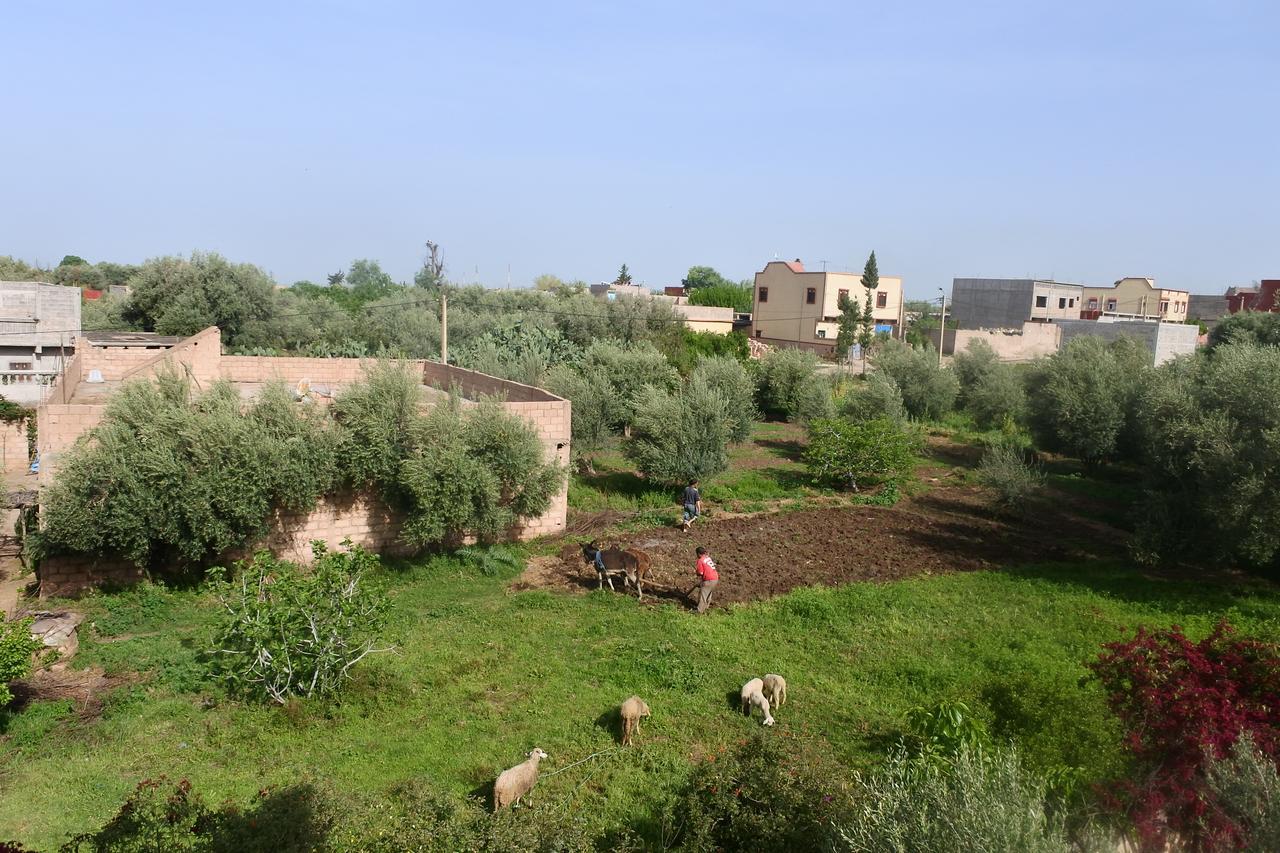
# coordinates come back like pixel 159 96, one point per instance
pixel 1136 298
pixel 39 323
pixel 795 307
pixel 1007 303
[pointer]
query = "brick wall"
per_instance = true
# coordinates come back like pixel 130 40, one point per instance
pixel 364 519
pixel 71 574
pixel 13 448
pixel 551 420
pixel 199 356
pixel 59 427
pixel 113 362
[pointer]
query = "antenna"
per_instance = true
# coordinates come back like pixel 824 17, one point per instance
pixel 824 265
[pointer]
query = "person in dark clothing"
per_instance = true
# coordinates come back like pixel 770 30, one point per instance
pixel 692 501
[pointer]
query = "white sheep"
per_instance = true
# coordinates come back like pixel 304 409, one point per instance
pixel 632 710
pixel 775 689
pixel 753 694
pixel 517 781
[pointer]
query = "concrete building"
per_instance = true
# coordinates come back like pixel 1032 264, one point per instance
pixel 78 402
pixel 613 291
pixel 1260 298
pixel 705 318
pixel 1136 298
pixel 39 323
pixel 795 307
pixel 1007 303
pixel 1164 341
pixel 1207 308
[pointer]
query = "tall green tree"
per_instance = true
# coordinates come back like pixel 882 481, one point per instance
pixel 700 277
pixel 624 275
pixel 181 296
pixel 850 324
pixel 870 282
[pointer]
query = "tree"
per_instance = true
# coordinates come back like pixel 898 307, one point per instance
pixel 336 279
pixel 624 276
pixel 594 401
pixel 739 297
pixel 790 387
pixel 72 261
pixel 680 436
pixel 1260 327
pixel 13 269
pixel 699 278
pixel 850 324
pixel 180 296
pixel 999 397
pixel 846 453
pixel 870 283
pixel 729 378
pixel 548 282
pixel 928 391
pixel 973 364
pixel 431 275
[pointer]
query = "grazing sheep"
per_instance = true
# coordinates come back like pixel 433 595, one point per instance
pixel 775 689
pixel 753 694
pixel 517 781
pixel 632 710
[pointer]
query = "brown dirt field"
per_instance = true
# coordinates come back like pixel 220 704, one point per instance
pixel 949 528
pixel 86 688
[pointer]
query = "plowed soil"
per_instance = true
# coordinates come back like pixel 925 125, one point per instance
pixel 950 528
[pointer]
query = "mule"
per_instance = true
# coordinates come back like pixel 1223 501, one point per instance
pixel 631 565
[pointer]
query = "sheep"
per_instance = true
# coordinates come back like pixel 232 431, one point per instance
pixel 775 689
pixel 753 694
pixel 632 710
pixel 517 781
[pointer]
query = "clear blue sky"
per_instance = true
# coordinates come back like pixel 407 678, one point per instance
pixel 1083 140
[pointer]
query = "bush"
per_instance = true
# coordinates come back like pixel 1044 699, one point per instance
pixel 1184 704
pixel 728 378
pixel 630 369
pixel 977 361
pixel 161 815
pixel 998 398
pixel 1247 789
pixel 757 797
pixel 171 477
pixel 844 453
pixel 682 436
pixel 182 296
pixel 1261 328
pixel 879 397
pixel 739 297
pixel 1005 470
pixel 1212 472
pixel 1083 399
pixel 594 401
pixel 787 387
pixel 685 351
pixel 288 632
pixel 977 800
pixel 16 648
pixel 928 391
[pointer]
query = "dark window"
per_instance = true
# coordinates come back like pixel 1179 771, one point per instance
pixel 841 296
pixel 1111 305
pixel 1071 303
pixel 1062 302
pixel 19 365
pixel 810 296
pixel 882 300
pixel 759 332
pixel 1093 303
pixel 1042 302
pixel 764 294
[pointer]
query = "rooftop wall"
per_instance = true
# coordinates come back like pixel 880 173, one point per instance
pixel 39 314
pixel 1164 341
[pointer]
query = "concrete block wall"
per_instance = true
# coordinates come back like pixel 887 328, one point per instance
pixel 14 449
pixel 1163 340
pixel 1032 341
pixel 69 575
pixel 113 362
pixel 364 519
pixel 552 421
pixel 59 427
pixel 317 371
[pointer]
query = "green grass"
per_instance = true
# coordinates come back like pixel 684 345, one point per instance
pixel 481 675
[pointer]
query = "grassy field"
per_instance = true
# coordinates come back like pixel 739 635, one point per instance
pixel 482 674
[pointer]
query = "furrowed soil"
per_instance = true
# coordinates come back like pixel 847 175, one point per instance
pixel 949 528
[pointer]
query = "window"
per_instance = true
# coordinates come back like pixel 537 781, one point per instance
pixel 1111 305
pixel 822 333
pixel 841 296
pixel 1062 302
pixel 810 295
pixel 1164 306
pixel 882 300
pixel 1093 303
pixel 19 365
pixel 759 332
pixel 764 294
pixel 1042 302
pixel 1071 303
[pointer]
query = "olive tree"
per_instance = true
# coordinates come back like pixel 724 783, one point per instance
pixel 928 391
pixel 682 435
pixel 180 296
pixel 729 378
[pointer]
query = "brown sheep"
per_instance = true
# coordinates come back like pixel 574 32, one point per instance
pixel 517 781
pixel 632 710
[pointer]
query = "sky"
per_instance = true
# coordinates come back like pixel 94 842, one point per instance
pixel 1079 140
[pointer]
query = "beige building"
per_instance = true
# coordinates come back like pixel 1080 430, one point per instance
pixel 796 307
pixel 704 318
pixel 1136 298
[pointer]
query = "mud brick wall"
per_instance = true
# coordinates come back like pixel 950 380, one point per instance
pixel 70 575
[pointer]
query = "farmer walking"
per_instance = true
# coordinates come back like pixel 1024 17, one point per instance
pixel 706 569
pixel 692 501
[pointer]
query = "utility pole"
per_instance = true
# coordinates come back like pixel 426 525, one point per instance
pixel 444 326
pixel 942 331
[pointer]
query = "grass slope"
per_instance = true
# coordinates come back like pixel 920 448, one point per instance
pixel 482 675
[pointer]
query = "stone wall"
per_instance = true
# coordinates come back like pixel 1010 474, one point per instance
pixel 72 574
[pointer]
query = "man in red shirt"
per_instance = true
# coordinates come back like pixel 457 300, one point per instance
pixel 706 569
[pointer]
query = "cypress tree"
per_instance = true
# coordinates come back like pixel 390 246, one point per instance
pixel 870 281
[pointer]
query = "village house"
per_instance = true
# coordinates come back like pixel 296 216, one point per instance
pixel 1007 303
pixel 39 323
pixel 798 308
pixel 78 402
pixel 1136 298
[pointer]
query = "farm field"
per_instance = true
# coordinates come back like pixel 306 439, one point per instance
pixel 868 611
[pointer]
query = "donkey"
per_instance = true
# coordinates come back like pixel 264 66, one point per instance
pixel 631 565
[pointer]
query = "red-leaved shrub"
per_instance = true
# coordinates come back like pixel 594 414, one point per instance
pixel 1182 704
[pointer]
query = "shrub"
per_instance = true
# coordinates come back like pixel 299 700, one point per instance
pixel 844 453
pixel 728 378
pixel 682 436
pixel 972 365
pixel 376 417
pixel 878 397
pixel 16 648
pixel 287 632
pixel 739 297
pixel 1005 470
pixel 174 477
pixel 1212 472
pixel 476 472
pixel 1184 704
pixel 928 391
pixel 1261 328
pixel 786 384
pixel 998 398
pixel 1246 786
pixel 594 401
pixel 977 800
pixel 1083 398
pixel 757 796
pixel 161 815
pixel 630 369
pixel 686 350
pixel 181 296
